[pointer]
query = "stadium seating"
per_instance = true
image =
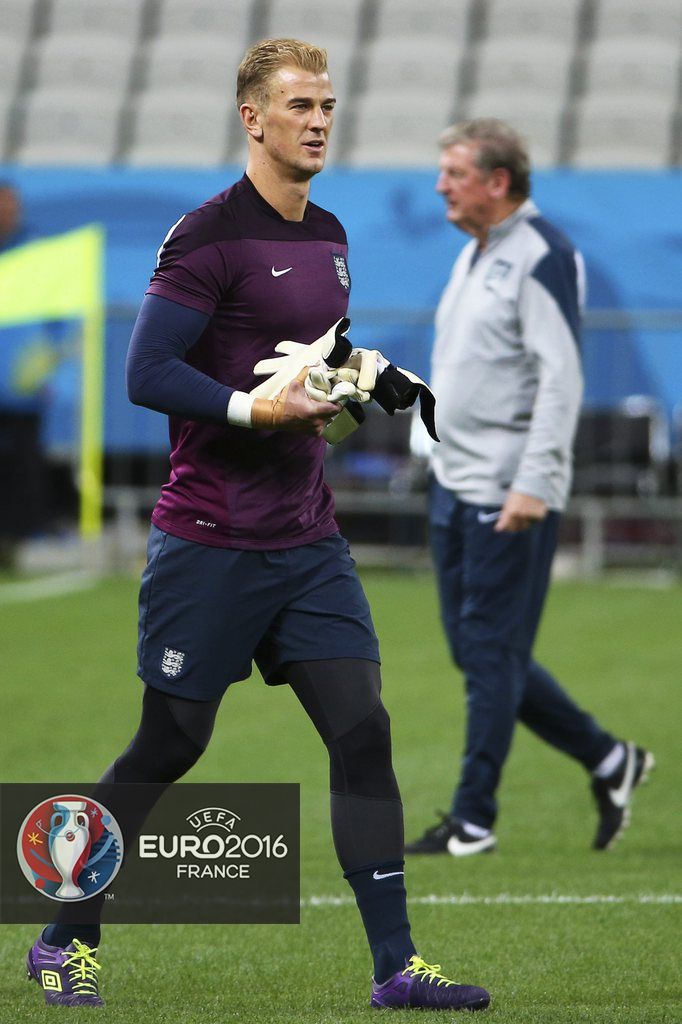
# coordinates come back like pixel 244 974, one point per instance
pixel 11 60
pixel 519 66
pixel 636 67
pixel 90 61
pixel 536 116
pixel 186 129
pixel 410 66
pixel 399 134
pixel 553 20
pixel 16 19
pixel 102 17
pixel 6 120
pixel 66 127
pixel 323 24
pixel 589 82
pixel 227 20
pixel 426 19
pixel 623 131
pixel 196 62
pixel 660 19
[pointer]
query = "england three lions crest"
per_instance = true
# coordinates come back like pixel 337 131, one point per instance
pixel 341 268
pixel 172 662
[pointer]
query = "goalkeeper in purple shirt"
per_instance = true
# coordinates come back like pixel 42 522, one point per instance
pixel 245 561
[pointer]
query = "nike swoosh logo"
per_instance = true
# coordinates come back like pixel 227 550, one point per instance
pixel 389 874
pixel 488 517
pixel 278 273
pixel 619 796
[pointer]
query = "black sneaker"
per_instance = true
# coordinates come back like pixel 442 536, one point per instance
pixel 614 794
pixel 462 844
pixel 435 839
pixel 450 836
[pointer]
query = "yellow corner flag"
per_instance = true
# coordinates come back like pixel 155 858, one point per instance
pixel 62 277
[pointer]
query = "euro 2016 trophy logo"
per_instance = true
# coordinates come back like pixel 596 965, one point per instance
pixel 70 848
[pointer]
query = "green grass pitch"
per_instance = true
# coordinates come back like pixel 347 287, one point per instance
pixel 70 703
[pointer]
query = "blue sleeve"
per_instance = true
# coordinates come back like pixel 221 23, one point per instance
pixel 157 375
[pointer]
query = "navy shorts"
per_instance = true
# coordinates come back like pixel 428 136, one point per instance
pixel 206 613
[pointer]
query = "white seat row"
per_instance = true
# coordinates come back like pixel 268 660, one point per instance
pixel 16 18
pixel 645 66
pixel 11 61
pixel 639 19
pixel 323 24
pixel 94 52
pixel 64 126
pixel 93 61
pixel 122 18
pixel 193 129
pixel 554 20
pixel 623 131
pixel 559 19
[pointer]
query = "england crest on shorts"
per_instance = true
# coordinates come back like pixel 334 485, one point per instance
pixel 341 268
pixel 172 662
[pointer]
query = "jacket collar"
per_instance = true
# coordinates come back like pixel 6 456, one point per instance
pixel 496 232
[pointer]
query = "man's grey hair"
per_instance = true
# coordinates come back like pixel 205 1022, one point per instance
pixel 498 145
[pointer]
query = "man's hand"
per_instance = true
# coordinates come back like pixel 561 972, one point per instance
pixel 293 410
pixel 519 512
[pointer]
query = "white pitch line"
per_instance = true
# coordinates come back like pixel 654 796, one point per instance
pixel 508 899
pixel 47 586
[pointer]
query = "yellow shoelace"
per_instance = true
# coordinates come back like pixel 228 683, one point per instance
pixel 82 967
pixel 418 968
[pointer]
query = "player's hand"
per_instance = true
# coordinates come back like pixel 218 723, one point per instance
pixel 293 410
pixel 520 512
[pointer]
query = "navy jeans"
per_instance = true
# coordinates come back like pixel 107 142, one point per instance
pixel 492 589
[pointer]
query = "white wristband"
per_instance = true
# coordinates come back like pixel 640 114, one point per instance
pixel 239 409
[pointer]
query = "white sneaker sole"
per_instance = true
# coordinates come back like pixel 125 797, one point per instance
pixel 459 849
pixel 649 764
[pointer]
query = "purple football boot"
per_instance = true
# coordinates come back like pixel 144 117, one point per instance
pixel 67 976
pixel 421 986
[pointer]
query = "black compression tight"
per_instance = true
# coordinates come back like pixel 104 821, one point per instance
pixel 343 699
pixel 172 735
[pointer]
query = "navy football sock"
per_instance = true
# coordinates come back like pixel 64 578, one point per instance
pixel 382 901
pixel 63 934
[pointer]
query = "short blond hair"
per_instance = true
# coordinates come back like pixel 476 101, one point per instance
pixel 499 145
pixel 266 57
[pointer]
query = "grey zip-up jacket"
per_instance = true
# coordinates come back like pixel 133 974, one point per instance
pixel 506 365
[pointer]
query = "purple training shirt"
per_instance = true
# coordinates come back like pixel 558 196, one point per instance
pixel 261 279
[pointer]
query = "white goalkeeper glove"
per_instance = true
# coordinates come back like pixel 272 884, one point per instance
pixel 339 373
pixel 333 347
pixel 322 382
pixel 329 385
pixel 392 387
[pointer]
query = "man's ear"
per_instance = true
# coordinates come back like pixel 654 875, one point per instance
pixel 499 181
pixel 251 119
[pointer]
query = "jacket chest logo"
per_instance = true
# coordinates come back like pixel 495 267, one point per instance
pixel 497 272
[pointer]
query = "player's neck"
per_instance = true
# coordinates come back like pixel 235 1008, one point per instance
pixel 289 198
pixel 502 210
